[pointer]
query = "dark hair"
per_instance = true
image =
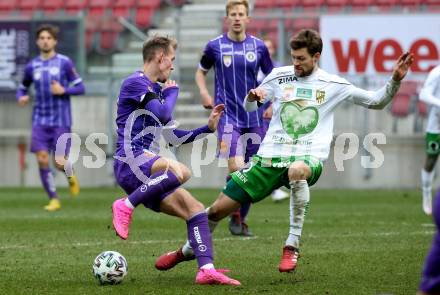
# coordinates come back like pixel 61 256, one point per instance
pixel 155 44
pixel 309 39
pixel 52 30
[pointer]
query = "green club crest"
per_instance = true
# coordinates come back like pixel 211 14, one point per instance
pixel 298 121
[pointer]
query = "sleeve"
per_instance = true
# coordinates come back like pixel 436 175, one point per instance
pixel 374 99
pixel 268 86
pixel 429 88
pixel 26 82
pixel 163 111
pixel 76 85
pixel 176 137
pixel 266 62
pixel 208 58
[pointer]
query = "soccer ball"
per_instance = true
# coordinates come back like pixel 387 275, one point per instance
pixel 110 267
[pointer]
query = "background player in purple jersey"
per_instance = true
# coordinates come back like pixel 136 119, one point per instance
pixel 144 114
pixel 55 80
pixel 236 57
pixel 430 284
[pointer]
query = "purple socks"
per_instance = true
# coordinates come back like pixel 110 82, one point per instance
pixel 48 182
pixel 199 238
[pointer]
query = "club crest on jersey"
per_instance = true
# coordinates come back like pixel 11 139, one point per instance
pixel 288 93
pixel 250 56
pixel 227 60
pixel 54 71
pixel 37 75
pixel 320 96
pixel 304 93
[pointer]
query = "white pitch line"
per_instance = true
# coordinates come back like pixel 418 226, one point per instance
pixel 178 242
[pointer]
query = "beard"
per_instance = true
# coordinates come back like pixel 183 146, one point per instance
pixel 304 73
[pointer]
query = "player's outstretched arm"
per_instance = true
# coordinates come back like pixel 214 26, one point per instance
pixel 402 66
pixel 214 117
pixel 254 99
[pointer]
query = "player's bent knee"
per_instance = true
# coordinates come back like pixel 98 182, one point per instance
pixel 299 171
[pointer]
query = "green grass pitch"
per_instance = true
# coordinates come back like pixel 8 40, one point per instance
pixel 354 242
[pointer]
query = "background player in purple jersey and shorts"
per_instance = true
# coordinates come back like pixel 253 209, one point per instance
pixel 55 80
pixel 236 57
pixel 430 284
pixel 144 114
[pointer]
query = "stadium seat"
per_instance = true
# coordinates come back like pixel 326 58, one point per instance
pixel 28 7
pixel 286 3
pixel 337 5
pixel 385 5
pixel 411 4
pixel 75 6
pixel 92 25
pixel 7 6
pixel 151 4
pixel 52 6
pixel 409 87
pixel 97 7
pixel 401 104
pixel 109 32
pixel 312 4
pixel 144 17
pixel 361 5
pixel 432 5
pixel 305 23
pixel 422 109
pixel 123 8
pixel 265 4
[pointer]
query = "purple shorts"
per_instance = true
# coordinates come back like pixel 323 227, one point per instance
pixel 45 138
pixel 431 272
pixel 235 141
pixel 129 181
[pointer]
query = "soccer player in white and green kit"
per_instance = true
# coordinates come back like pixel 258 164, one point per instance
pixel 430 94
pixel 304 98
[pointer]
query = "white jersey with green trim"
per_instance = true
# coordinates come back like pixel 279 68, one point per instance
pixel 303 108
pixel 430 94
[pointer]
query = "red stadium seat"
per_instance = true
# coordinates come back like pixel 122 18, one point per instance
pixel 409 87
pixel 75 6
pixel 152 4
pixel 97 7
pixel 92 25
pixel 123 8
pixel 400 106
pixel 144 17
pixel 411 4
pixel 337 5
pixel 109 32
pixel 361 5
pixel 28 7
pixel 286 3
pixel 7 6
pixel 305 23
pixel 264 4
pixel 312 4
pixel 52 6
pixel 422 109
pixel 432 5
pixel 385 5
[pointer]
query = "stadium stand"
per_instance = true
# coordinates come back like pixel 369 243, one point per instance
pixel 7 6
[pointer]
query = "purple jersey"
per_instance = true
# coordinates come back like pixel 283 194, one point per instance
pixel 236 67
pixel 51 110
pixel 144 108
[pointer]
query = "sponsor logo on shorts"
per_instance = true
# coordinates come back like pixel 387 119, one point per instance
pixel 241 176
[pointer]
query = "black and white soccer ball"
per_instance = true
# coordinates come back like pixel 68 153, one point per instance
pixel 110 267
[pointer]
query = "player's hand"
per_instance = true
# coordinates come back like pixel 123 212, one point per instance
pixel 207 101
pixel 402 66
pixel 23 100
pixel 256 94
pixel 56 88
pixel 268 113
pixel 169 83
pixel 214 117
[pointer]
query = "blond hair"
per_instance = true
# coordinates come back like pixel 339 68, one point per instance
pixel 232 3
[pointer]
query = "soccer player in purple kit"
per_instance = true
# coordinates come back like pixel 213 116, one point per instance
pixel 430 284
pixel 144 113
pixel 55 80
pixel 236 57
